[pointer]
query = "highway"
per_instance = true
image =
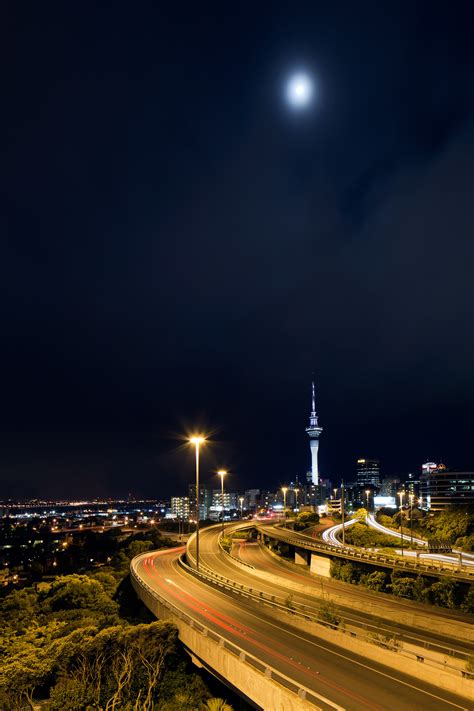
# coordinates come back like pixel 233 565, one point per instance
pixel 308 590
pixel 467 558
pixel 330 535
pixel 341 677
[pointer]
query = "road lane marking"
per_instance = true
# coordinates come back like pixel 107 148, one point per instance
pixel 343 656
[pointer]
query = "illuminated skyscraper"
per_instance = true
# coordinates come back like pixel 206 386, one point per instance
pixel 368 472
pixel 314 430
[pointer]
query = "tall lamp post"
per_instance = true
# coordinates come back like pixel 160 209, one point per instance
pixel 367 494
pixel 197 441
pixel 411 497
pixel 241 500
pixel 222 473
pixel 343 514
pixel 296 497
pixel 401 493
pixel 284 489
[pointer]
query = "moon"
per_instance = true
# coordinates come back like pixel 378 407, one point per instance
pixel 299 90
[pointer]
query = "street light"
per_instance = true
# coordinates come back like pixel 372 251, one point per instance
pixel 241 499
pixel 343 514
pixel 284 489
pixel 197 441
pixel 401 494
pixel 296 497
pixel 411 497
pixel 367 493
pixel 222 473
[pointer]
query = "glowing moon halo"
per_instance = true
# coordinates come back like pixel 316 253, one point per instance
pixel 299 90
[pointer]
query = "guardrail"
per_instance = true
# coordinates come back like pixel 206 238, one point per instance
pixel 268 671
pixel 374 634
pixel 418 566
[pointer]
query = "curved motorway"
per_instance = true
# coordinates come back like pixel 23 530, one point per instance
pixel 340 678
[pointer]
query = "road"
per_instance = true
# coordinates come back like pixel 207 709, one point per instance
pixel 341 677
pixel 259 557
pixel 467 558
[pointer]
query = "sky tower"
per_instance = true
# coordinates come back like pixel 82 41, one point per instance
pixel 314 430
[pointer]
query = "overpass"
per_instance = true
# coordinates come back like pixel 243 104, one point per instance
pixel 318 554
pixel 263 649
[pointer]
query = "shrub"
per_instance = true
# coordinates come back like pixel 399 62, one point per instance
pixel 328 615
pixel 374 581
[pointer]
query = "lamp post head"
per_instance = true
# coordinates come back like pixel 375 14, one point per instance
pixel 222 473
pixel 197 440
pixel 284 489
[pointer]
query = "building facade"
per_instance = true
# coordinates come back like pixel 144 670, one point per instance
pixel 441 488
pixel 180 507
pixel 368 472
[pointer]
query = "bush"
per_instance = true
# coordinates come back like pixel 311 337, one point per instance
pixel 470 664
pixel 374 581
pixel 403 586
pixel 468 604
pixel 386 641
pixel 328 615
pixel 443 593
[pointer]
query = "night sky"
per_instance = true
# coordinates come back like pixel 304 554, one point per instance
pixel 179 249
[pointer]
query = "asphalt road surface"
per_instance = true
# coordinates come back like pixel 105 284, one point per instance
pixel 341 677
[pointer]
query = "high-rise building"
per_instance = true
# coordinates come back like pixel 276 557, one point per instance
pixel 230 500
pixel 368 472
pixel 389 486
pixel 205 501
pixel 441 488
pixel 314 430
pixel 180 507
pixel 251 499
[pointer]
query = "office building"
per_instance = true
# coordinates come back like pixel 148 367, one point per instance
pixel 205 501
pixel 368 472
pixel 441 488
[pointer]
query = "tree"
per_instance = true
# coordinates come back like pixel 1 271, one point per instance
pixel 374 581
pixel 216 705
pixel 468 604
pixel 18 609
pixel 361 514
pixel 74 592
pixel 402 586
pixel 442 593
pixel 137 547
pixel 22 673
pixel 107 581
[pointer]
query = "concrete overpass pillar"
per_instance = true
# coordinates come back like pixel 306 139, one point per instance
pixel 320 565
pixel 301 557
